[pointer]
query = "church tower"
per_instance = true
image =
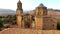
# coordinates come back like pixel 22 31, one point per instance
pixel 19 12
pixel 41 11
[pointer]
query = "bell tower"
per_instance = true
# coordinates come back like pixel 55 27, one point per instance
pixel 19 12
pixel 41 11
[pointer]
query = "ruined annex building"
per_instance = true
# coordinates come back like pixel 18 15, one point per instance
pixel 37 20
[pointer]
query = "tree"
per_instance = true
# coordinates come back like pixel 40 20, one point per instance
pixel 0 16
pixel 10 19
pixel 1 24
pixel 9 16
pixel 58 25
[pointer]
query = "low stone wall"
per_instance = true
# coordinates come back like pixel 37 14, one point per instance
pixel 28 31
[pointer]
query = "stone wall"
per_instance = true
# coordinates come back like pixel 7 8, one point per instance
pixel 28 31
pixel 49 23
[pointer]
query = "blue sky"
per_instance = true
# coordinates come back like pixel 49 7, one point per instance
pixel 29 4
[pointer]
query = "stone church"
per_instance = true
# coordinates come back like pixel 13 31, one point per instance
pixel 39 20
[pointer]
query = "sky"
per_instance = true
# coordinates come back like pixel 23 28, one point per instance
pixel 29 4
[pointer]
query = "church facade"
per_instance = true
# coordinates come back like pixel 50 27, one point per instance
pixel 39 20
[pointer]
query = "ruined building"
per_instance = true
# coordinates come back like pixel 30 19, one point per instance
pixel 39 20
pixel 36 22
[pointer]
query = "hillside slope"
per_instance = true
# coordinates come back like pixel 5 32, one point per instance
pixel 4 12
